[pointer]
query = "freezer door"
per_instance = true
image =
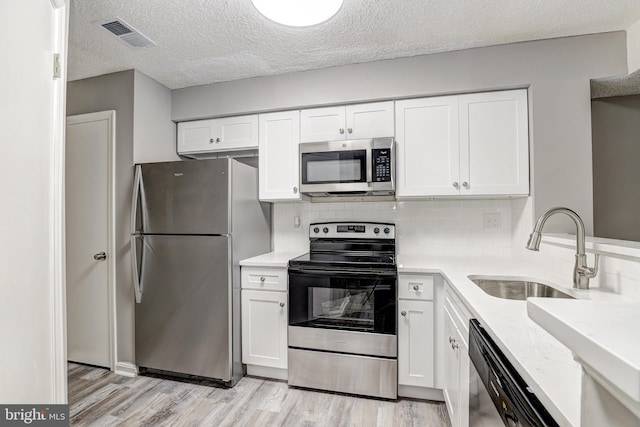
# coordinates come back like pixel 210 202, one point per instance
pixel 183 320
pixel 190 197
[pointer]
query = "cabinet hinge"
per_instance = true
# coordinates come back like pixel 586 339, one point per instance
pixel 57 69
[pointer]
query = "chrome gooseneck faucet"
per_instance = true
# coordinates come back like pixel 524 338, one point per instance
pixel 581 271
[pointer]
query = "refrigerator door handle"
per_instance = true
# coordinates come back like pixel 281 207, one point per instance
pixel 137 184
pixel 137 283
pixel 137 188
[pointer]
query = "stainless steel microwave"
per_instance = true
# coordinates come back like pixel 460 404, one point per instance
pixel 358 167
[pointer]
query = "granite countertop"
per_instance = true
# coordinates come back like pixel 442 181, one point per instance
pixel 546 364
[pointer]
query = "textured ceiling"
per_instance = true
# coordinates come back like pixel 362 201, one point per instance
pixel 207 41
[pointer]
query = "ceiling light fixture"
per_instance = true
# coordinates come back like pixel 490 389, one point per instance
pixel 298 13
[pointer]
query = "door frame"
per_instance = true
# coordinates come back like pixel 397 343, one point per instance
pixel 57 247
pixel 110 117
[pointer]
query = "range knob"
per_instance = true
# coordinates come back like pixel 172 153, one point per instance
pixel 316 230
pixel 376 230
pixel 386 230
pixel 326 230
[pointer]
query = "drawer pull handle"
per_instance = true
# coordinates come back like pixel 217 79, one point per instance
pixel 416 287
pixel 262 279
pixel 281 304
pixel 404 313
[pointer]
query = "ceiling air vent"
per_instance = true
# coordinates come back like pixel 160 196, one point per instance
pixel 125 32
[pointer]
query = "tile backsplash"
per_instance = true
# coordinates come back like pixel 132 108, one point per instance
pixel 425 227
pixel 457 227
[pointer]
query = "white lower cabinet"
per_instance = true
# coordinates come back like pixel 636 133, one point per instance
pixel 264 327
pixel 415 343
pixel 418 360
pixel 456 363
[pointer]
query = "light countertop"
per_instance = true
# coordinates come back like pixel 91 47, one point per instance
pixel 543 361
pixel 603 335
pixel 271 259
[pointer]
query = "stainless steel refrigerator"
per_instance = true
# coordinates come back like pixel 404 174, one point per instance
pixel 192 222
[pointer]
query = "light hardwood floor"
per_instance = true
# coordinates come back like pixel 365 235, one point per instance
pixel 97 397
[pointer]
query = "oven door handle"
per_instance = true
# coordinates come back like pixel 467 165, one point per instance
pixel 349 273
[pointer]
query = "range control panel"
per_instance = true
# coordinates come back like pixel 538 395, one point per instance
pixel 381 164
pixel 352 230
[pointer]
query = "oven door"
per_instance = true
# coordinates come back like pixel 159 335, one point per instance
pixel 343 300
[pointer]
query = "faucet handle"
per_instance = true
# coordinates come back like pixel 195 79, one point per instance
pixel 590 272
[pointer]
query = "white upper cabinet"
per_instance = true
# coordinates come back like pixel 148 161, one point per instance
pixel 226 134
pixel 467 145
pixel 494 143
pixel 278 156
pixel 359 121
pixel 427 146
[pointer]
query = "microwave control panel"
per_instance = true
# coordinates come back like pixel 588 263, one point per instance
pixel 381 164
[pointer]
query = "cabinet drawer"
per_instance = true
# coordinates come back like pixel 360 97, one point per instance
pixel 415 287
pixel 270 279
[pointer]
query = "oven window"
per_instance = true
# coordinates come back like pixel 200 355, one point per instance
pixel 334 167
pixel 359 303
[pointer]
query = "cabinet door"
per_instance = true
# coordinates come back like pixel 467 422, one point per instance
pixel 264 328
pixel 237 132
pixel 463 375
pixel 494 143
pixel 197 136
pixel 279 138
pixel 322 124
pixel 415 343
pixel 373 120
pixel 427 147
pixel 451 371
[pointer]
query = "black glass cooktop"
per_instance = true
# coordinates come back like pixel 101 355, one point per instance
pixel 350 261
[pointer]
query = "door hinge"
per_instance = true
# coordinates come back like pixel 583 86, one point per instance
pixel 57 69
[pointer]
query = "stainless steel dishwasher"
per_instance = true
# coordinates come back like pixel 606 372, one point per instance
pixel 497 393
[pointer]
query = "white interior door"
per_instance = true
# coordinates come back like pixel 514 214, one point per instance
pixel 89 250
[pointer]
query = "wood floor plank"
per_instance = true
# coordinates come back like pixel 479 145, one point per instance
pixel 98 397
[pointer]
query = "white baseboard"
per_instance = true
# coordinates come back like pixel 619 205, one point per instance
pixel 266 372
pixel 420 393
pixel 126 369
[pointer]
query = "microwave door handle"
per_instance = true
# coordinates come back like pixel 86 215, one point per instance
pixel 369 160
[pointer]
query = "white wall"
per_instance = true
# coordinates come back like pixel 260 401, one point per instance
pixel 437 227
pixel 556 71
pixel 633 47
pixel 154 134
pixel 31 222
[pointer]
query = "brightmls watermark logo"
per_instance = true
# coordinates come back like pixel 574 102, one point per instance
pixel 36 415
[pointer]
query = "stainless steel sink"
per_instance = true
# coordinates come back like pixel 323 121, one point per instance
pixel 517 289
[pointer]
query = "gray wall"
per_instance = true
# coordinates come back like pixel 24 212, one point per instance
pixel 115 92
pixel 616 167
pixel 154 134
pixel 556 71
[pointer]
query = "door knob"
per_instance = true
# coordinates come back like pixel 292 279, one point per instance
pixel 100 256
pixel 281 304
pixel 404 313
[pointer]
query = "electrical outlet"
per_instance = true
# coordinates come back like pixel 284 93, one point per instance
pixel 492 220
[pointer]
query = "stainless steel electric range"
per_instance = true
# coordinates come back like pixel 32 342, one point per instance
pixel 342 310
